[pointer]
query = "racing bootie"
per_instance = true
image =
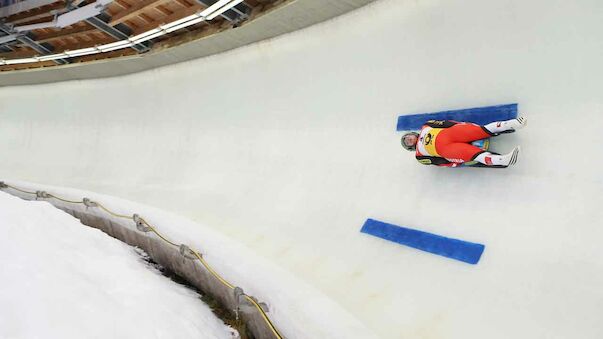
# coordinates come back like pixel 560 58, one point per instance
pixel 499 160
pixel 508 126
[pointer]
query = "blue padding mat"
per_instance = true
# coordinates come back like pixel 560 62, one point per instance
pixel 451 248
pixel 479 115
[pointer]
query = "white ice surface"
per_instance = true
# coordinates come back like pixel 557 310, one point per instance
pixel 288 145
pixel 61 279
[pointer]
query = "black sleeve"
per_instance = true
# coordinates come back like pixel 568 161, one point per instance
pixel 427 160
pixel 441 123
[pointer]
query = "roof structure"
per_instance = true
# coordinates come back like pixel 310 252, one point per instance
pixel 159 44
pixel 46 33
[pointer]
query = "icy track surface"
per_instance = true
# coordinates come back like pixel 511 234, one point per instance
pixel 288 145
pixel 61 279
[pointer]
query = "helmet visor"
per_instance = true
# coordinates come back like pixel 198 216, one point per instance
pixel 409 141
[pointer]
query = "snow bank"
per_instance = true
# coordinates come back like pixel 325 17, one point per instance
pixel 61 279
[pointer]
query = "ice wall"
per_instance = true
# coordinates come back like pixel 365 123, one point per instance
pixel 288 146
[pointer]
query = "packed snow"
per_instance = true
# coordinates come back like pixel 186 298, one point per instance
pixel 61 279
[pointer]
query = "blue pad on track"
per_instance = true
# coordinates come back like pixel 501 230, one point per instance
pixel 479 115
pixel 451 248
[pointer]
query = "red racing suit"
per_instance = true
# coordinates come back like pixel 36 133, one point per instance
pixel 448 143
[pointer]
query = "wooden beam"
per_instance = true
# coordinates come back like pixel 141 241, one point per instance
pixel 35 13
pixel 65 33
pixel 135 10
pixel 34 19
pixel 19 54
pixel 163 10
pixel 179 14
pixel 146 17
pixel 39 20
pixel 7 68
pixel 122 4
pixel 183 3
pixel 87 44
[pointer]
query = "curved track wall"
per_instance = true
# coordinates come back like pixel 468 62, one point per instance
pixel 289 145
